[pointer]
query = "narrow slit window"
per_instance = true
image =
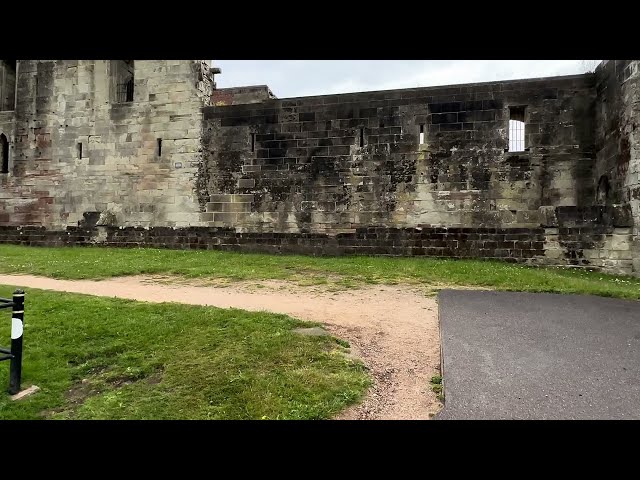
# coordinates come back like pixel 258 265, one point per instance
pixel 362 137
pixel 253 142
pixel 159 147
pixel 421 133
pixel 80 150
pixel 516 129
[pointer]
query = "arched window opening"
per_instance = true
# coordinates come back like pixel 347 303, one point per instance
pixel 4 153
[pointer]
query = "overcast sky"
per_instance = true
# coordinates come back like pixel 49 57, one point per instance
pixel 294 78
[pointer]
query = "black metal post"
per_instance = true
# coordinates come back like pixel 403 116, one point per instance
pixel 17 320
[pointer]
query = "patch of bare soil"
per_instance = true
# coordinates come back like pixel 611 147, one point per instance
pixel 393 329
pixel 87 387
pixel 75 396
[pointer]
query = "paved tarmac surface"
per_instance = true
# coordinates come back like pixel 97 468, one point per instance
pixel 509 355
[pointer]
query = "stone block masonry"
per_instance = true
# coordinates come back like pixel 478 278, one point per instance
pixel 241 95
pixel 617 167
pixel 581 241
pixel 78 151
pixel 150 153
pixel 425 158
pixel 339 162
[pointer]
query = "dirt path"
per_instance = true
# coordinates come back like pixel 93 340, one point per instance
pixel 393 329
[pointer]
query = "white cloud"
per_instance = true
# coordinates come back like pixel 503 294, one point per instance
pixel 291 78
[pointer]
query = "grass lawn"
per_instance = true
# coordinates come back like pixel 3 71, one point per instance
pixel 103 358
pixel 100 262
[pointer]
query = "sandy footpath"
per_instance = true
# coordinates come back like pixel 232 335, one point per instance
pixel 393 329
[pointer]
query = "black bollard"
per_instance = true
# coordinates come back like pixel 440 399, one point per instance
pixel 17 321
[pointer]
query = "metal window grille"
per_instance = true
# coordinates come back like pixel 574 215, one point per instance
pixel 516 136
pixel 516 129
pixel 124 91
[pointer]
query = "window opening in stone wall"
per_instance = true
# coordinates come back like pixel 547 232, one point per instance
pixel 122 73
pixel 80 150
pixel 516 129
pixel 421 133
pixel 362 137
pixel 159 147
pixel 8 84
pixel 602 192
pixel 4 153
pixel 253 142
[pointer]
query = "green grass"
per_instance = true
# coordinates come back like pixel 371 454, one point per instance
pixel 436 386
pixel 343 272
pixel 105 358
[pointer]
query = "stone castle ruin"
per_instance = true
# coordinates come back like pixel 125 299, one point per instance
pixel 130 152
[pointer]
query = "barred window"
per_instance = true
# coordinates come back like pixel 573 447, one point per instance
pixel 122 74
pixel 516 129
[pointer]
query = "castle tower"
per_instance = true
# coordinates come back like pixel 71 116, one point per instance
pixel 115 141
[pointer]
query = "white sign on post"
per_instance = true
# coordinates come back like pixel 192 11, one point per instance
pixel 16 328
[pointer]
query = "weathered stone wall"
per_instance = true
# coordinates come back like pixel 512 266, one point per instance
pixel 335 174
pixel 617 171
pixel 596 237
pixel 240 95
pixel 7 128
pixel 340 162
pixel 119 178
